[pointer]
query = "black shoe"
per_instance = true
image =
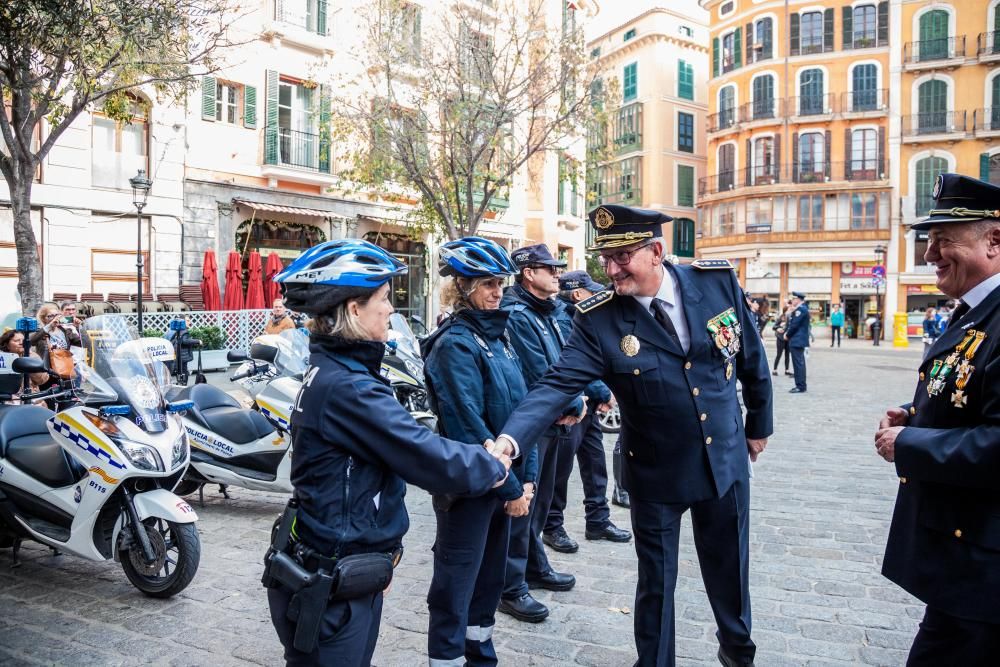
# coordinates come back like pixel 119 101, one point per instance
pixel 560 541
pixel 553 581
pixel 774 372
pixel 524 608
pixel 609 532
pixel 789 374
pixel 732 662
pixel 620 498
pixel 796 390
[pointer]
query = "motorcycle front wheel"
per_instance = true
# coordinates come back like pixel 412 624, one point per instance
pixel 177 548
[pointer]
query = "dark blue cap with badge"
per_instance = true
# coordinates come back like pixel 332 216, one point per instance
pixel 579 280
pixel 532 255
pixel 799 295
pixel 960 198
pixel 618 226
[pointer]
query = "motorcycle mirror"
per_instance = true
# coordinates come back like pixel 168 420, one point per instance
pixel 180 406
pixel 29 365
pixel 234 356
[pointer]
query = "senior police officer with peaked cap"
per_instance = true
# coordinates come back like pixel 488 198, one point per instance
pixel 944 541
pixel 671 343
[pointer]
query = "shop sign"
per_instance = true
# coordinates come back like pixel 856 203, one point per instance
pixel 923 289
pixel 857 269
pixel 857 285
pixel 761 228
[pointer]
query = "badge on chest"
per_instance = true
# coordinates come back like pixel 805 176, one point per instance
pixel 959 363
pixel 725 331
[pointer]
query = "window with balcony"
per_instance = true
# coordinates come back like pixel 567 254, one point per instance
pixel 685 132
pixel 864 211
pixel 932 107
pixel 812 101
pixel 727 107
pixel 811 213
pixel 993 113
pixel 298 129
pixel 119 149
pixel 731 51
pixel 306 14
pixel 863 156
pixel 630 82
pixel 628 128
pixel 933 43
pixel 685 80
pixel 685 185
pixel 726 167
pixel 763 161
pixel 763 39
pixel 927 172
pixel 763 97
pixel 628 180
pixel 811 33
pixel 811 157
pixel 864 87
pixel 863 28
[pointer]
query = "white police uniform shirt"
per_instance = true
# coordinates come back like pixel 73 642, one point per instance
pixel 670 294
pixel 978 294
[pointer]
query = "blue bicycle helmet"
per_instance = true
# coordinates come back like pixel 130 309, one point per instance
pixel 332 272
pixel 474 257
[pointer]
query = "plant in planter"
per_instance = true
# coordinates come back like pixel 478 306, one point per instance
pixel 152 333
pixel 212 338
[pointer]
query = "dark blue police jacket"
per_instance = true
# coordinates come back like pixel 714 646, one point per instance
pixel 538 340
pixel 944 542
pixel 474 381
pixel 798 327
pixel 356 447
pixel 682 427
pixel 596 392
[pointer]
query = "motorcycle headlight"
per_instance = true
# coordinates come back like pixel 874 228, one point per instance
pixel 141 456
pixel 179 451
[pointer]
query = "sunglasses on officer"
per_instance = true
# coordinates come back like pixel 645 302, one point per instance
pixel 554 270
pixel 620 257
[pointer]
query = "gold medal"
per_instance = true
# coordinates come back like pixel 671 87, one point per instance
pixel 630 345
pixel 729 371
pixel 959 399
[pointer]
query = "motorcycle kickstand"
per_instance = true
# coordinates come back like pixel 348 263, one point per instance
pixel 15 561
pixel 222 490
pixel 55 552
pixel 201 495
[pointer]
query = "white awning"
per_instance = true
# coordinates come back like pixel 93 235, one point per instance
pixel 289 210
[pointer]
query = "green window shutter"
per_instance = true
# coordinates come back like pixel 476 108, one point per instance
pixel 749 34
pixel 848 21
pixel 630 84
pixel 271 119
pixel 882 29
pixel 927 172
pixel 738 48
pixel 325 146
pixel 715 57
pixel 828 30
pixel 793 35
pixel 984 167
pixel 321 17
pixel 250 106
pixel 685 185
pixel 685 80
pixel 208 98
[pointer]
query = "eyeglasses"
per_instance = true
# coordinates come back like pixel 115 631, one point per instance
pixel 621 258
pixel 551 269
pixel 52 316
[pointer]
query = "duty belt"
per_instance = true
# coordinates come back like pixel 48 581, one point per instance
pixel 312 560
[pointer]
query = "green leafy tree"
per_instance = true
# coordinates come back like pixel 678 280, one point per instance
pixel 59 58
pixel 455 99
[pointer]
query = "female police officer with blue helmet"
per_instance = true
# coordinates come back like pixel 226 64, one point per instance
pixel 355 449
pixel 475 381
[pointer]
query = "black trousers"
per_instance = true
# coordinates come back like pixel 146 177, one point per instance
pixel 538 561
pixel 347 635
pixel 799 366
pixel 521 544
pixel 721 538
pixel 782 350
pixel 945 640
pixel 587 446
pixel 834 334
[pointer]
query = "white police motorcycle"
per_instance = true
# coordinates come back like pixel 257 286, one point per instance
pixel 95 480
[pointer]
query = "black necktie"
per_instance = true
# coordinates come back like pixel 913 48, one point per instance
pixel 661 316
pixel 958 313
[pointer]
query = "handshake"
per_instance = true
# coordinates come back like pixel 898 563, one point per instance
pixel 501 449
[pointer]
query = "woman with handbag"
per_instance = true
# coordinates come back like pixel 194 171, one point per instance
pixel 356 448
pixel 52 343
pixel 780 326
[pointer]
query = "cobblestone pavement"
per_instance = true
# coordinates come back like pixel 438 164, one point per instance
pixel 821 503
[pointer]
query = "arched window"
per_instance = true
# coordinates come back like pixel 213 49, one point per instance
pixel 763 39
pixel 993 37
pixel 727 107
pixel 864 24
pixel 119 149
pixel 932 107
pixel 927 171
pixel 994 112
pixel 763 97
pixel 811 100
pixel 934 42
pixel 684 237
pixel 727 166
pixel 811 157
pixel 864 87
pixel 763 161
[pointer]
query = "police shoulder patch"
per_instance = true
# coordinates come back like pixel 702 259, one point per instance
pixel 594 301
pixel 704 264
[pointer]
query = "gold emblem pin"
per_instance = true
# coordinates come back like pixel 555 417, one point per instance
pixel 729 371
pixel 604 219
pixel 630 345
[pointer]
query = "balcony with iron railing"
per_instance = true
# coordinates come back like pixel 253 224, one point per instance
pixel 868 170
pixel 297 156
pixel 627 128
pixel 988 46
pixel 930 53
pixel 811 106
pixel 722 120
pixel 986 122
pixel 763 109
pixel 934 126
pixel 627 197
pixel 864 102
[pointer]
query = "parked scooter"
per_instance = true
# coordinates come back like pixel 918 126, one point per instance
pixel 404 368
pixel 95 480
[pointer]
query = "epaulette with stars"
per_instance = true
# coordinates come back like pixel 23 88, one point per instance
pixel 704 264
pixel 594 301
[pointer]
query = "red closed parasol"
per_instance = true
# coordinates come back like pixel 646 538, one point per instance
pixel 272 268
pixel 234 283
pixel 210 282
pixel 255 288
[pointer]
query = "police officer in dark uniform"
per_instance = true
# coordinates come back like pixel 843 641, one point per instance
pixel 671 342
pixel 356 448
pixel 944 542
pixel 538 340
pixel 797 340
pixel 587 442
pixel 474 381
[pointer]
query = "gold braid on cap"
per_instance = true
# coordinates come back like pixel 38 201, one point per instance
pixel 617 240
pixel 959 212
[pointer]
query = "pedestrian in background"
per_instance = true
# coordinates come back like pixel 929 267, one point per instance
pixel 763 313
pixel 797 339
pixel 279 320
pixel 474 381
pixel 780 327
pixel 932 330
pixel 836 324
pixel 944 540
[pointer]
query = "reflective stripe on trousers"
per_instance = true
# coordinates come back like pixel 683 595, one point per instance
pixel 454 662
pixel 478 633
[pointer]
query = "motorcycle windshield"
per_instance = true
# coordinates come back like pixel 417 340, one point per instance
pixel 292 358
pixel 125 370
pixel 400 331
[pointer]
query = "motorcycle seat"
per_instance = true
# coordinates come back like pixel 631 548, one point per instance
pixel 26 443
pixel 222 414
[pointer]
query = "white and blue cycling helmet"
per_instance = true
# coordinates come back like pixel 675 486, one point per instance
pixel 332 272
pixel 474 257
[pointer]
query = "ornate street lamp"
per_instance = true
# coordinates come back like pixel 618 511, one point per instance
pixel 140 192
